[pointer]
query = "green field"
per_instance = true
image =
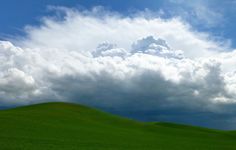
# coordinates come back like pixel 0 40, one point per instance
pixel 62 126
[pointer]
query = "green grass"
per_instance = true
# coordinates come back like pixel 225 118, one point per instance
pixel 62 126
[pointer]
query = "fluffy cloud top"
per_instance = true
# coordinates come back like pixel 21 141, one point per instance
pixel 125 64
pixel 83 31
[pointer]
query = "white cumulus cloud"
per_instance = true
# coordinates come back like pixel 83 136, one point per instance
pixel 118 62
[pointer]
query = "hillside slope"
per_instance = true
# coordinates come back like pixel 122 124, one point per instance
pixel 62 126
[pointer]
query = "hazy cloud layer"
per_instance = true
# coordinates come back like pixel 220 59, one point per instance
pixel 205 13
pixel 127 64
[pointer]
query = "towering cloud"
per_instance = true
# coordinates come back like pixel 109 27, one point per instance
pixel 156 67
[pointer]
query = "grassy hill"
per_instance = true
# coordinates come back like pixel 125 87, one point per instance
pixel 62 126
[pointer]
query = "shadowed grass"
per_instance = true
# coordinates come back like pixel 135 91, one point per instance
pixel 63 126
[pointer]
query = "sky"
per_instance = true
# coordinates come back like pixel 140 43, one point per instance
pixel 148 60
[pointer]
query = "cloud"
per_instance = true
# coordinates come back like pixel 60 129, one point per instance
pixel 152 46
pixel 202 13
pixel 84 30
pixel 123 64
